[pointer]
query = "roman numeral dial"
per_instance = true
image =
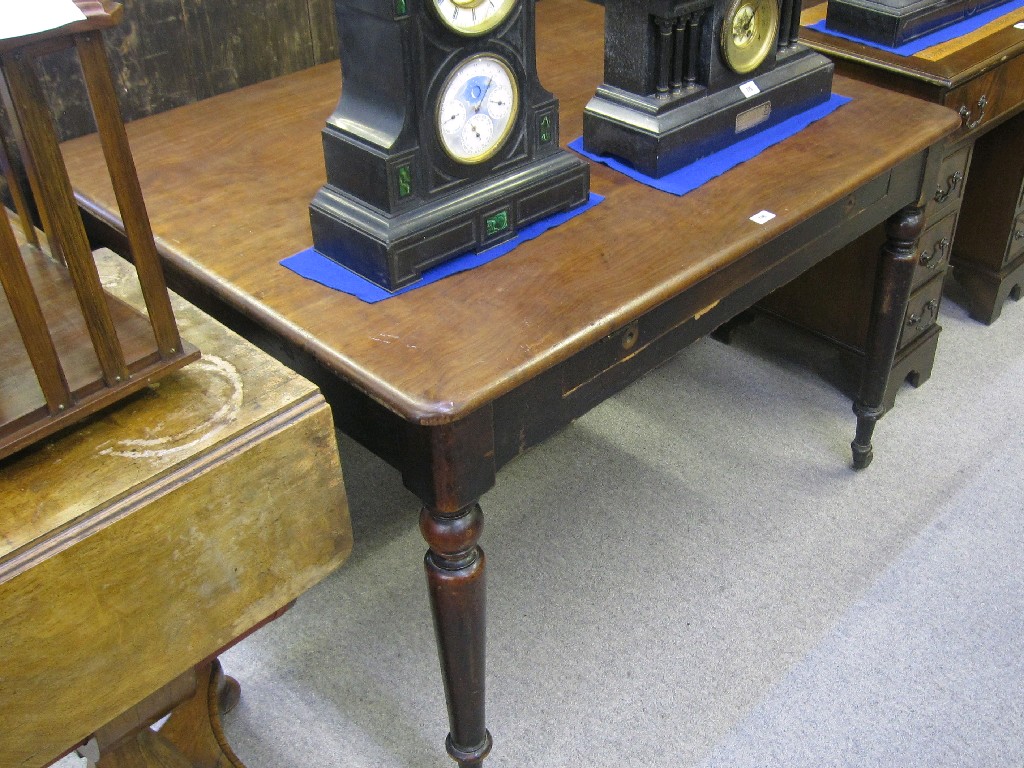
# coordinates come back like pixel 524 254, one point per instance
pixel 473 17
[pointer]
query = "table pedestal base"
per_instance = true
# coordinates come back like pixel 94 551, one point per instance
pixel 192 737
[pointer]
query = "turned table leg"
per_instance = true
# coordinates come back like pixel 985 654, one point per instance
pixel 892 292
pixel 455 578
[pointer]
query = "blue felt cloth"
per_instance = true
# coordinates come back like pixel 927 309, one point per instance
pixel 691 176
pixel 315 266
pixel 944 35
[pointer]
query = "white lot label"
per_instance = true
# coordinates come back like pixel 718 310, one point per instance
pixel 749 89
pixel 763 217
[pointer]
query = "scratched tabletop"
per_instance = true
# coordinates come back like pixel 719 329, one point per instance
pixel 127 447
pixel 138 543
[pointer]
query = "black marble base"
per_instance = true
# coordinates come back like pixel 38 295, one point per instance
pixel 393 251
pixel 657 136
pixel 895 22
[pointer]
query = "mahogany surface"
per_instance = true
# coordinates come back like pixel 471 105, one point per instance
pixel 981 76
pixel 453 380
pixel 226 209
pixel 960 64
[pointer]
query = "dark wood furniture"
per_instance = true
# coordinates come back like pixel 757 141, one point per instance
pixel 66 347
pixel 975 224
pixel 452 381
pixel 136 547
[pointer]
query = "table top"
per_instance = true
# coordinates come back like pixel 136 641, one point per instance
pixel 222 479
pixel 947 65
pixel 228 182
pixel 49 491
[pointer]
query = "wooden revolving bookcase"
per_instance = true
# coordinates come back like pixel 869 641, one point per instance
pixel 67 348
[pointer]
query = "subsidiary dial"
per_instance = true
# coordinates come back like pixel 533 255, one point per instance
pixel 452 117
pixel 473 17
pixel 749 29
pixel 477 108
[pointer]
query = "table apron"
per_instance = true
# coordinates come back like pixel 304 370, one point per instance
pixel 544 405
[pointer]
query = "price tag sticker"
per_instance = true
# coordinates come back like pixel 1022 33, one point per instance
pixel 749 89
pixel 1019 25
pixel 762 217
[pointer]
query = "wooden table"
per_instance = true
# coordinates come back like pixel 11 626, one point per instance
pixel 137 545
pixel 452 381
pixel 981 76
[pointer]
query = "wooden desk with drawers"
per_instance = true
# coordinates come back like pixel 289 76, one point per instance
pixel 975 218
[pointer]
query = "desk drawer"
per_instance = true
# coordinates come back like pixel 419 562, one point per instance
pixel 1015 244
pixel 922 311
pixel 934 249
pixel 949 190
pixel 987 98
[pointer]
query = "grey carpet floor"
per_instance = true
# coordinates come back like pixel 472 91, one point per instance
pixel 691 575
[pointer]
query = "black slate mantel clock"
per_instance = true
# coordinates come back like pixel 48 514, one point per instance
pixel 443 141
pixel 685 78
pixel 896 22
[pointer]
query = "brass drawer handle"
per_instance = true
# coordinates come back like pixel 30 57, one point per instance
pixel 965 114
pixel 941 195
pixel 930 309
pixel 931 259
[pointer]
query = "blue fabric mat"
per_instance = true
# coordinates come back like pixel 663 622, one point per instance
pixel 944 35
pixel 317 267
pixel 689 177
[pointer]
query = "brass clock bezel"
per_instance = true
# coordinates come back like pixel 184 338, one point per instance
pixel 513 110
pixel 742 58
pixel 472 29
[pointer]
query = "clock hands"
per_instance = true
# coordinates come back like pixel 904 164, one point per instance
pixel 744 29
pixel 483 96
pixel 477 109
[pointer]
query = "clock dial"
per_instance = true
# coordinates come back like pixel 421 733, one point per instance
pixel 749 28
pixel 477 108
pixel 473 17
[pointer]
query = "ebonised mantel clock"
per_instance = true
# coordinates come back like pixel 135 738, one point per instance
pixel 443 140
pixel 896 22
pixel 685 78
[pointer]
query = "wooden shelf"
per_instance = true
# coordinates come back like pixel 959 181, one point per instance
pixel 67 348
pixel 24 417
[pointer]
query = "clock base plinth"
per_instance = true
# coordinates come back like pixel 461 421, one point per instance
pixel 393 251
pixel 656 137
pixel 897 23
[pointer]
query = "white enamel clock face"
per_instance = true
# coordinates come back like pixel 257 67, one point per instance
pixel 478 106
pixel 473 17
